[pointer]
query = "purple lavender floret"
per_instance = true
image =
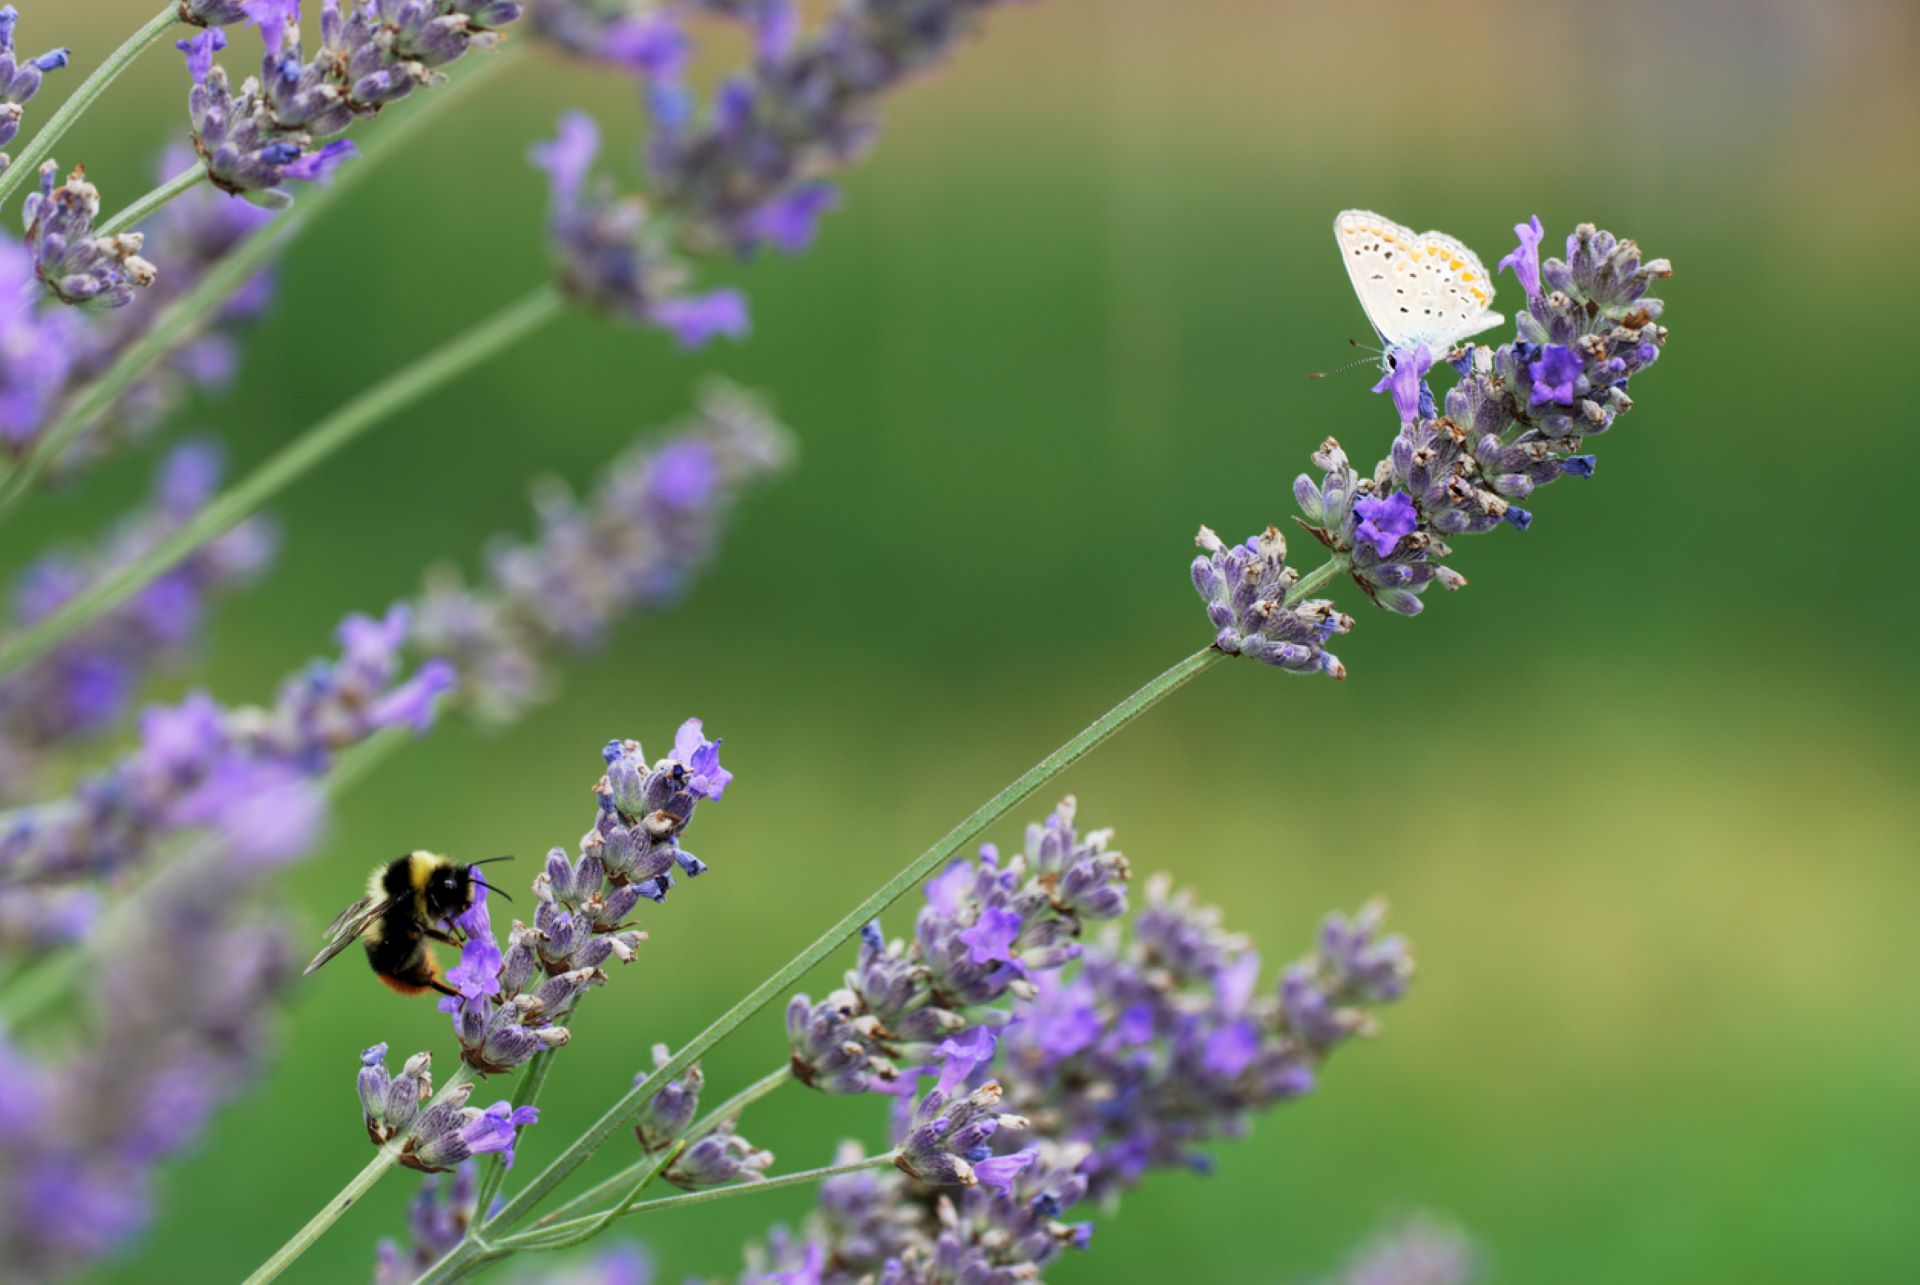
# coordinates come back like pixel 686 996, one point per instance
pixel 1524 259
pixel 436 1137
pixel 612 256
pixel 1247 587
pixel 511 1003
pixel 86 684
pixel 75 266
pixel 666 1115
pixel 277 126
pixel 988 928
pixel 1406 379
pixel 19 77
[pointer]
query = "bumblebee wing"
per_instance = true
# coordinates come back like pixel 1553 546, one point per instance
pixel 346 930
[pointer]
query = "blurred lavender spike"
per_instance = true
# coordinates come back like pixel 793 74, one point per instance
pixel 87 684
pixel 654 520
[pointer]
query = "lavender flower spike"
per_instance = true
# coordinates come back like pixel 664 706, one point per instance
pixel 19 77
pixel 74 265
pixel 511 1003
pixel 988 930
pixel 437 1220
pixel 611 256
pixel 1246 587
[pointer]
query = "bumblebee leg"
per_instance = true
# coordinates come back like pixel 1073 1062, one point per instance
pixel 448 938
pixel 443 988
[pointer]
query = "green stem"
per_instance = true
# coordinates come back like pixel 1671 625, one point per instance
pixel 525 1093
pixel 1321 575
pixel 185 180
pixel 192 310
pixel 783 980
pixel 569 1233
pixel 362 1182
pixel 727 1110
pixel 28 161
pixel 381 402
pixel 585 1229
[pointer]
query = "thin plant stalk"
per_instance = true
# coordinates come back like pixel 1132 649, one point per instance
pixel 191 311
pixel 186 180
pixel 373 407
pixel 41 145
pixel 727 1110
pixel 525 1093
pixel 562 1235
pixel 582 1230
pixel 386 1158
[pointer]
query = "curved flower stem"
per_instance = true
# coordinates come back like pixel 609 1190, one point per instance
pixel 783 979
pixel 192 310
pixel 185 180
pixel 727 1110
pixel 362 1182
pixel 581 1230
pixel 525 1093
pixel 28 161
pixel 381 402
pixel 572 1233
pixel 1317 578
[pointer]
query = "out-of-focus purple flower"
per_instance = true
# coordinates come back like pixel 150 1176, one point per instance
pixel 1384 522
pixel 85 685
pixel 1524 259
pixel 611 256
pixel 1555 375
pixel 214 13
pixel 437 1220
pixel 1407 368
pixel 74 265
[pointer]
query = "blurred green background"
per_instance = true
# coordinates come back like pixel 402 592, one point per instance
pixel 1642 795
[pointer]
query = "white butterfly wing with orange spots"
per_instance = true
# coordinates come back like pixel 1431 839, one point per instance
pixel 1417 288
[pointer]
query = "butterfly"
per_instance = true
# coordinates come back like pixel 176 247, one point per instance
pixel 1423 288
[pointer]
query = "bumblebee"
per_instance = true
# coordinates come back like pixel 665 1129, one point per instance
pixel 409 902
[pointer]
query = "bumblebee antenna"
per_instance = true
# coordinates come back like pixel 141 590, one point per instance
pixel 490 887
pixel 1358 361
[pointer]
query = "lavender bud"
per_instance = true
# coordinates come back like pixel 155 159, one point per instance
pixel 74 265
pixel 719 1158
pixel 668 1113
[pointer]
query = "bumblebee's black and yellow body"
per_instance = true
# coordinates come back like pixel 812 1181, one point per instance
pixel 410 901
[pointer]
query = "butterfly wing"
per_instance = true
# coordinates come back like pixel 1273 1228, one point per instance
pixel 346 929
pixel 1417 288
